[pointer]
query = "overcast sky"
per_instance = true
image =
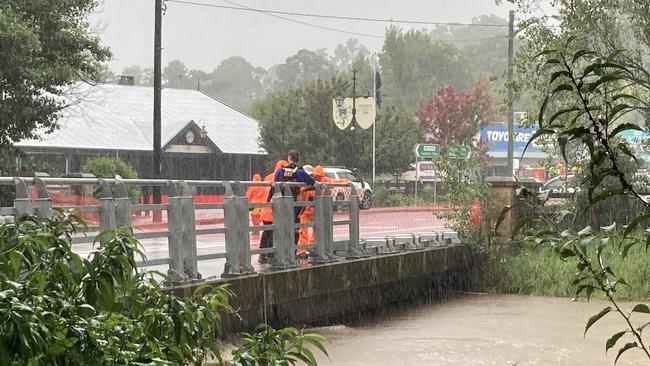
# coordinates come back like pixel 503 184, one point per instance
pixel 201 37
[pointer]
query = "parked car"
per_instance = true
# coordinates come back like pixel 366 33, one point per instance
pixel 560 184
pixel 364 191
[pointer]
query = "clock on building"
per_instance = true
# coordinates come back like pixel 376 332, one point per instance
pixel 189 136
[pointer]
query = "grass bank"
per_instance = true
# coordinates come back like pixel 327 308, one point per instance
pixel 539 271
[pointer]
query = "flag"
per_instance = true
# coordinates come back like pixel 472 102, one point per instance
pixel 378 89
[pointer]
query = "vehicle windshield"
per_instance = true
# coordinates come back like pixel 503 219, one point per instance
pixel 554 183
pixel 350 176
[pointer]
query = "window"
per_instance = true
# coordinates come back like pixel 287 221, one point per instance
pixel 350 177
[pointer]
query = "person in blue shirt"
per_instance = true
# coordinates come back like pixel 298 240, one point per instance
pixel 293 173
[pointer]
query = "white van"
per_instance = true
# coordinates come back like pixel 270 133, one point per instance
pixel 363 188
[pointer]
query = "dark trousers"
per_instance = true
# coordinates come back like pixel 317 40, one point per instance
pixel 267 236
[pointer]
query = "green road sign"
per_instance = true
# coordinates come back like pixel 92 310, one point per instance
pixel 426 150
pixel 457 152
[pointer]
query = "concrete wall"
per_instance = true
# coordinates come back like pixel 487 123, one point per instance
pixel 323 293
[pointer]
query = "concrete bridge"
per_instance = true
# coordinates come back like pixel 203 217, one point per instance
pixel 345 272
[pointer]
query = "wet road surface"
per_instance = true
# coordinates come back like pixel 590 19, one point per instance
pixel 483 330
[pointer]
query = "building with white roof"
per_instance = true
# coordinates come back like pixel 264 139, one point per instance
pixel 202 138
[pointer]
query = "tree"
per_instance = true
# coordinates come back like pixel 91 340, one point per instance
pixel 483 50
pixel 346 54
pixel 413 64
pixel 455 115
pixel 602 27
pixel 46 47
pixel 301 118
pixel 236 82
pixel 305 65
pixel 175 75
pixel 397 132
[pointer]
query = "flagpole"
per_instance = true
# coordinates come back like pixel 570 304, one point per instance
pixel 374 94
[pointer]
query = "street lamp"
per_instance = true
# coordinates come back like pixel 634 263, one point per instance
pixel 340 103
pixel 203 133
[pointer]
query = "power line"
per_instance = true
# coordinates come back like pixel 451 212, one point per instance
pixel 327 16
pixel 245 8
pixel 302 22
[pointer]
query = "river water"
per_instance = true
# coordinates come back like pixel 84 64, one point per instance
pixel 482 330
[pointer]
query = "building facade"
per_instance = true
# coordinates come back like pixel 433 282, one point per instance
pixel 202 138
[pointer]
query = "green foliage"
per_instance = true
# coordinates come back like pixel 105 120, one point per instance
pixel 61 309
pixel 282 347
pixel 414 65
pixel 58 308
pixel 536 270
pixel 381 197
pixel 110 167
pixel 599 91
pixel 465 187
pixel 46 46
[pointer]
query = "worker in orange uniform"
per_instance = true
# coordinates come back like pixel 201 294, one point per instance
pixel 306 235
pixel 306 215
pixel 266 213
pixel 256 194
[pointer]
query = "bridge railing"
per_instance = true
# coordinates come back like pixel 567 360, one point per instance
pixel 115 207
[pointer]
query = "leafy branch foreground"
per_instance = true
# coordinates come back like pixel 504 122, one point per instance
pixel 57 308
pixel 591 96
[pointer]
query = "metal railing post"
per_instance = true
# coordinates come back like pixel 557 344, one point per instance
pixel 355 250
pixel 235 210
pixel 188 236
pixel 284 239
pixel 323 217
pixel 122 204
pixel 176 269
pixel 43 204
pixel 106 211
pixel 22 202
pixel 241 202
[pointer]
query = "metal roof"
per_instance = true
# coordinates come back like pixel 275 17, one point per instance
pixel 120 117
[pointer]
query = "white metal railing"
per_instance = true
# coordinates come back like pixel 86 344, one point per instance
pixel 115 207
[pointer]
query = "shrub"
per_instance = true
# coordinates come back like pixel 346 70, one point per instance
pixel 60 309
pixel 57 308
pixel 109 167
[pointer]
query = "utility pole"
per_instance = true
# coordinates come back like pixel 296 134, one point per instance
pixel 511 112
pixel 354 116
pixel 374 99
pixel 157 90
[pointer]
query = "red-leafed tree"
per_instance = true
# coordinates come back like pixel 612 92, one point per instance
pixel 456 115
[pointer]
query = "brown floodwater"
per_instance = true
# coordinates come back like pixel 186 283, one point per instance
pixel 483 330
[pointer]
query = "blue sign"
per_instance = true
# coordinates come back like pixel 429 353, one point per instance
pixel 635 137
pixel 496 138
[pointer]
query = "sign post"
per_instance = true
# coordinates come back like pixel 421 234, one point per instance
pixel 457 152
pixel 424 151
